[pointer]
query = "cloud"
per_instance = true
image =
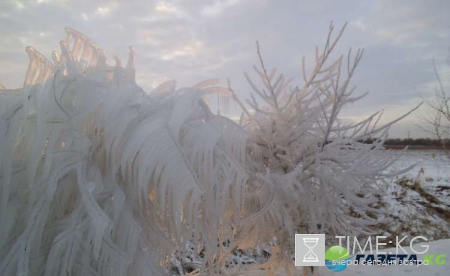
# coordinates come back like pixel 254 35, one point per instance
pixel 191 40
pixel 218 7
pixel 166 8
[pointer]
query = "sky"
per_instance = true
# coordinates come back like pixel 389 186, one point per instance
pixel 193 40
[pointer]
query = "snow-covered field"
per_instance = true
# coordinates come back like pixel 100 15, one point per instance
pixel 433 166
pixel 418 201
pixel 436 162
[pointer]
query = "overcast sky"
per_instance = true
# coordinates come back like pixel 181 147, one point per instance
pixel 193 40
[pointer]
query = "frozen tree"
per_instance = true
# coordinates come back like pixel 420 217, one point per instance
pixel 98 177
pixel 438 119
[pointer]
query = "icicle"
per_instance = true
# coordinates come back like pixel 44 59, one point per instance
pixel 68 59
pixel 131 57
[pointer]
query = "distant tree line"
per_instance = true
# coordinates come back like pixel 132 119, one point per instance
pixel 424 142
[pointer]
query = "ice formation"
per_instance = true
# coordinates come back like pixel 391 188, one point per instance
pixel 98 177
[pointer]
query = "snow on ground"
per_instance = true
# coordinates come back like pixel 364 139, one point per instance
pixel 418 201
pixel 436 163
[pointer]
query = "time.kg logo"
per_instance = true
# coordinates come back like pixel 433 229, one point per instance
pixel 310 249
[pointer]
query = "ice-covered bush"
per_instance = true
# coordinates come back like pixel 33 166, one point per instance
pixel 98 177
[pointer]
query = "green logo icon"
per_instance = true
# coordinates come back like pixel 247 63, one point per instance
pixel 336 258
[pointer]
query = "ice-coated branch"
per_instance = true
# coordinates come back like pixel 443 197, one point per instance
pixel 98 177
